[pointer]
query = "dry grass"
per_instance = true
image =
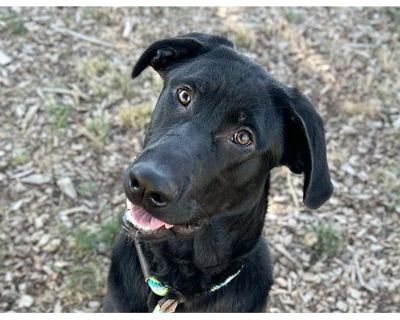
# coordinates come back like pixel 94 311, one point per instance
pixel 368 108
pixel 57 114
pixel 19 157
pixel 136 117
pixel 103 78
pixel 329 242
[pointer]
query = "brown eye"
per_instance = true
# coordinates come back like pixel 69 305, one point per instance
pixel 243 137
pixel 184 96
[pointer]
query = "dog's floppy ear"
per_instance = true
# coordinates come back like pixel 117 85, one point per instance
pixel 304 145
pixel 162 54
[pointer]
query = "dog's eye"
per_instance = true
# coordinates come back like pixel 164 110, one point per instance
pixel 184 96
pixel 243 137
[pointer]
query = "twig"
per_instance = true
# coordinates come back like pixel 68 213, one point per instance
pixel 64 91
pixel 114 103
pixel 360 277
pixel 360 45
pixel 29 116
pixel 79 92
pixel 21 174
pixel 85 132
pixel 75 210
pixel 58 90
pixel 83 37
pixel 285 253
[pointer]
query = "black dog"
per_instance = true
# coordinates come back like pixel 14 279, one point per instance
pixel 197 194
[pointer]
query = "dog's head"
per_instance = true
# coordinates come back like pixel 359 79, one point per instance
pixel 220 125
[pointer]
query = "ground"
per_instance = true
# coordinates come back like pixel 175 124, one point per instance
pixel 72 119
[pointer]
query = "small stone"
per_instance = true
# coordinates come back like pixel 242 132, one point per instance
pixel 61 264
pixel 363 176
pixel 67 187
pixel 307 297
pixel 310 239
pixel 3 164
pixel 305 257
pixel 341 219
pixel 4 59
pixel 127 28
pixel 16 205
pixel 22 287
pixel 281 282
pixel 3 177
pixel 292 223
pixel 38 223
pixel 9 296
pixel 20 188
pixel 341 305
pixel 20 110
pixel 65 220
pixel 293 275
pixel 44 240
pixel 102 248
pixel 94 305
pixel 52 246
pixel 8 277
pixel 8 147
pixel 376 247
pixel 396 123
pixel 26 301
pixel 57 307
pixel 309 277
pixel 36 179
pixel 355 294
pixel 348 169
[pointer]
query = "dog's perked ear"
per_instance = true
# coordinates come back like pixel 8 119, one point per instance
pixel 304 145
pixel 164 53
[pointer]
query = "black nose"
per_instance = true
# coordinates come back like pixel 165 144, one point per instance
pixel 151 186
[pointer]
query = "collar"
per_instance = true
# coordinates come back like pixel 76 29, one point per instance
pixel 160 289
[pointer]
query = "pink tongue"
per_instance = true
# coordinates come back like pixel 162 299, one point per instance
pixel 144 219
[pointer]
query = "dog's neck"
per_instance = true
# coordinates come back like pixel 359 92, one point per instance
pixel 195 262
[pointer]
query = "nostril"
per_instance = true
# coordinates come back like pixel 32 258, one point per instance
pixel 157 199
pixel 134 184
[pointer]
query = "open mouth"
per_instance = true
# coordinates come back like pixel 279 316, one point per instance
pixel 143 220
pixel 146 224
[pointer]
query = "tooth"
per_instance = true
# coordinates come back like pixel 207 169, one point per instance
pixel 129 204
pixel 129 218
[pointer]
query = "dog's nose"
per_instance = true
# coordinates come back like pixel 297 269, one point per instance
pixel 155 188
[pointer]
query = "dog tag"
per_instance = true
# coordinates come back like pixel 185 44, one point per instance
pixel 166 306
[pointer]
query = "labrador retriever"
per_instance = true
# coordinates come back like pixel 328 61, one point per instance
pixel 197 195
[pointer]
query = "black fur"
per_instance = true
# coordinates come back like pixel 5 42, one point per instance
pixel 218 186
